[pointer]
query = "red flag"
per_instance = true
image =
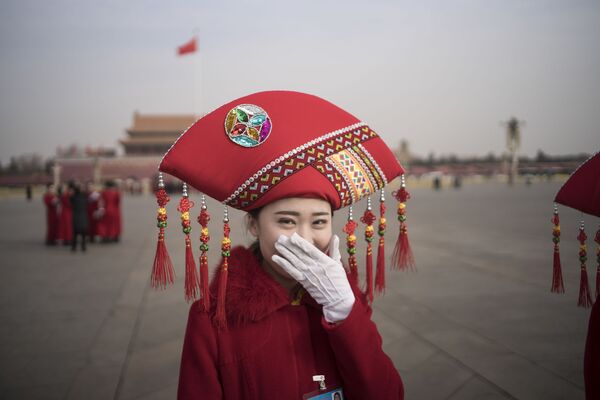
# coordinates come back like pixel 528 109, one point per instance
pixel 189 47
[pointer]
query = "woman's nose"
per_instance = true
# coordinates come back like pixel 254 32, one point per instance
pixel 306 233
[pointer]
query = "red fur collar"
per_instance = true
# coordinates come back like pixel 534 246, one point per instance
pixel 251 294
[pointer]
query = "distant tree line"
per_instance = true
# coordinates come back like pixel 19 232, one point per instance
pixel 491 158
pixel 26 164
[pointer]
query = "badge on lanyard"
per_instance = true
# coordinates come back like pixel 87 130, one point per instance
pixel 324 392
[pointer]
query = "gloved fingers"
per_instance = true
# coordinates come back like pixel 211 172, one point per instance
pixel 316 280
pixel 290 254
pixel 288 267
pixel 334 248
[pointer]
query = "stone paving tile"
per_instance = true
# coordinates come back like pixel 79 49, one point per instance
pixel 523 379
pixel 169 392
pixel 437 378
pixel 55 391
pixel 151 370
pixel 95 382
pixel 478 389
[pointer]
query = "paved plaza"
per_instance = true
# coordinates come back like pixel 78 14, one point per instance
pixel 476 321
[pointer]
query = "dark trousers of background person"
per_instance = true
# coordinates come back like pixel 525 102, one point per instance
pixel 75 240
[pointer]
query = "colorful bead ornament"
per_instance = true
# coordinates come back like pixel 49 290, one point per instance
pixel 380 274
pixel 349 229
pixel 220 316
pixel 162 269
pixel 368 218
pixel 402 257
pixel 248 125
pixel 192 281
pixel 557 279
pixel 585 299
pixel 203 220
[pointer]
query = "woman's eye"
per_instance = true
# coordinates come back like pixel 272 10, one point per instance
pixel 286 221
pixel 320 222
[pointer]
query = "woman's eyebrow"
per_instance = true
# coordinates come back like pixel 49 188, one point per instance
pixel 297 214
pixel 294 213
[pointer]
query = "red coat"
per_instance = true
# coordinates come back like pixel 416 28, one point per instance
pixel 66 217
pixel 591 361
pixel 273 348
pixel 51 202
pixel 111 220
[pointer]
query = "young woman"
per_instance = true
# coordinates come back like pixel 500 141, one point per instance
pixel 284 320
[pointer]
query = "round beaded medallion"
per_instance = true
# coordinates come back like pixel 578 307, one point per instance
pixel 247 125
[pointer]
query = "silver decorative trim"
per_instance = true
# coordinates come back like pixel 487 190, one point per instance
pixel 379 171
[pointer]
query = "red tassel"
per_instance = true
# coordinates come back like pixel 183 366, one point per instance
pixel 585 299
pixel 380 275
pixel 203 219
pixel 349 229
pixel 204 287
pixel 220 316
pixel 162 270
pixel 192 282
pixel 557 279
pixel 369 289
pixel 368 218
pixel 402 257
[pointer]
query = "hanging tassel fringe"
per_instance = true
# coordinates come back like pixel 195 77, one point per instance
pixel 203 219
pixel 368 218
pixel 380 274
pixel 220 316
pixel 192 281
pixel 162 269
pixel 402 257
pixel 349 229
pixel 585 299
pixel 557 279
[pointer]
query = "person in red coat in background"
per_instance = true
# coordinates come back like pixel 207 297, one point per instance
pixel 66 215
pixel 51 202
pixel 93 206
pixel 111 220
pixel 282 319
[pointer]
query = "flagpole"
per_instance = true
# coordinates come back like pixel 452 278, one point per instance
pixel 197 78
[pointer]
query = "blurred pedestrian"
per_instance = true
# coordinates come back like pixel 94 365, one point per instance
pixel 28 193
pixel 93 207
pixel 111 219
pixel 66 215
pixel 51 201
pixel 79 206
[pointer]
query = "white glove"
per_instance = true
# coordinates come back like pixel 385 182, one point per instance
pixel 323 277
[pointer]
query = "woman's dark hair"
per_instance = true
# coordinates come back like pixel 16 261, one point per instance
pixel 255 246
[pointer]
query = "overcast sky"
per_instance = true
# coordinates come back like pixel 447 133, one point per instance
pixel 442 75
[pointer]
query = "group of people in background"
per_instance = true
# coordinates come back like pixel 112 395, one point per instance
pixel 76 214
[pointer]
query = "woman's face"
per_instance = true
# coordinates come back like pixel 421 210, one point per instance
pixel 309 218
